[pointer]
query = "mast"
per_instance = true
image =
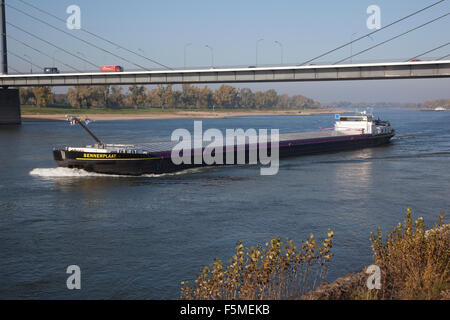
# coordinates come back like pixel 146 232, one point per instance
pixel 74 119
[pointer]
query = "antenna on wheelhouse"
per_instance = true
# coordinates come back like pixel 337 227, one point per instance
pixel 73 120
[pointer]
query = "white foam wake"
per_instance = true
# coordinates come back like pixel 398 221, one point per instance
pixel 61 172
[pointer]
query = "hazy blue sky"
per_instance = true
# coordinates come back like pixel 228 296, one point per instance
pixel 161 29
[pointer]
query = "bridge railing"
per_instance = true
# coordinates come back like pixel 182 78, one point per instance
pixel 249 66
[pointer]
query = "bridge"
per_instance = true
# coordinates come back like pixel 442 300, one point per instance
pixel 411 68
pixel 368 71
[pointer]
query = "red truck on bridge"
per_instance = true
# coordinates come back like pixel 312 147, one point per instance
pixel 111 69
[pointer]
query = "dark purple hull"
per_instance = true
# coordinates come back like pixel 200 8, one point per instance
pixel 161 162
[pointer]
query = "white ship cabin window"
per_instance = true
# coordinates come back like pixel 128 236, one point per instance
pixel 355 118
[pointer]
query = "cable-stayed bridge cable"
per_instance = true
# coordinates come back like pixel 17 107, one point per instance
pixel 393 38
pixel 422 54
pixel 370 33
pixel 77 38
pixel 53 45
pixel 26 60
pixel 98 36
pixel 9 66
pixel 43 53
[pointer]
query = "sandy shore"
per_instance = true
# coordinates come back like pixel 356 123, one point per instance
pixel 179 115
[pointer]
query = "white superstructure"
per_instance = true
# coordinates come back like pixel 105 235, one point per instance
pixel 362 124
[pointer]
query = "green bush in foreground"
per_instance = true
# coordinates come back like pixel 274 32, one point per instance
pixel 277 271
pixel 414 262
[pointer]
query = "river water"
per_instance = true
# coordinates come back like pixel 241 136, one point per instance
pixel 138 237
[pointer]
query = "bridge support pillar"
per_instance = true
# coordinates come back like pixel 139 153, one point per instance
pixel 9 106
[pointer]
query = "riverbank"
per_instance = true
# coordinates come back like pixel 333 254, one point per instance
pixel 29 115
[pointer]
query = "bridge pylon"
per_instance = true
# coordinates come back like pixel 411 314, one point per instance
pixel 10 107
pixel 9 98
pixel 4 45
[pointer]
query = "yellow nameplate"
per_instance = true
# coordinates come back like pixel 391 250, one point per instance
pixel 99 156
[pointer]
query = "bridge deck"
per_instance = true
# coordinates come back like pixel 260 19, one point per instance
pixel 369 71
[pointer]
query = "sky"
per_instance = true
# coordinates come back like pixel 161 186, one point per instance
pixel 305 29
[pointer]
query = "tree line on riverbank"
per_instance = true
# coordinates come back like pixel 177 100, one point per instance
pixel 428 104
pixel 443 103
pixel 164 97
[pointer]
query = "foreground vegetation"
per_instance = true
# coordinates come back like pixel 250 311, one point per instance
pixel 277 271
pixel 414 264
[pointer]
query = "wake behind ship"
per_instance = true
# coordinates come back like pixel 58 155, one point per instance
pixel 349 133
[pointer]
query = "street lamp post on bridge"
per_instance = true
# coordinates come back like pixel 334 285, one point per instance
pixel 31 62
pixel 212 55
pixel 185 47
pixel 143 53
pixel 54 53
pixel 257 42
pixel 281 47
pixel 351 46
pixel 84 63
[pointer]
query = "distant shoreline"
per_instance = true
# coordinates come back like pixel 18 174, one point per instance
pixel 177 115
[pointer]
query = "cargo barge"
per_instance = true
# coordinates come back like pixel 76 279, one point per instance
pixel 348 133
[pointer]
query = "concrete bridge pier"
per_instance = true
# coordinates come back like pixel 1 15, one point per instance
pixel 10 106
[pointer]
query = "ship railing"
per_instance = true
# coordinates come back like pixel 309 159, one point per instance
pixel 361 130
pixel 325 129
